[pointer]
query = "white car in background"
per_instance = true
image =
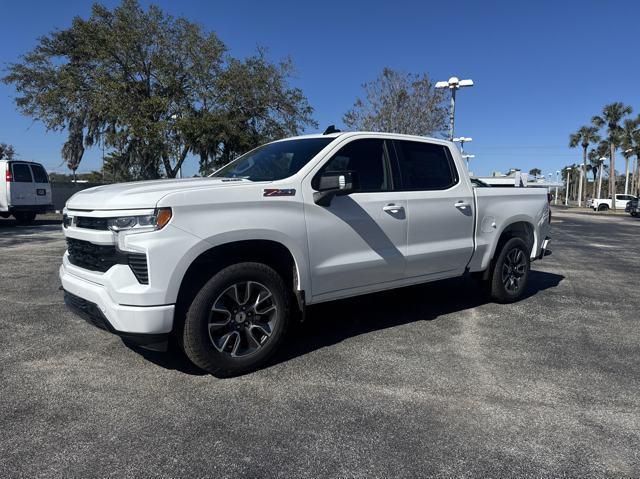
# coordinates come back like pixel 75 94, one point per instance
pixel 25 190
pixel 604 204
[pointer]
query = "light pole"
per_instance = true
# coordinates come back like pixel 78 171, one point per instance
pixel 462 140
pixel 626 174
pixel 634 175
pixel 453 84
pixel 600 168
pixel 557 181
pixel 566 198
pixel 580 179
pixel 468 157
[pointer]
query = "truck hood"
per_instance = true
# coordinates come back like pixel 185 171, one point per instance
pixel 141 194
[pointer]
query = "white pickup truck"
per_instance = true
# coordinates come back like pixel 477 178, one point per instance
pixel 225 263
pixel 604 204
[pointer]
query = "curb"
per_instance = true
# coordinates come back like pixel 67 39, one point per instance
pixel 570 209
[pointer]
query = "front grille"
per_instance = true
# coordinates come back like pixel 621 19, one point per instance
pixel 91 256
pixel 96 257
pixel 91 223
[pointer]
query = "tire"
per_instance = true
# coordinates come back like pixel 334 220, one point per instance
pixel 25 218
pixel 510 271
pixel 228 328
pixel 603 207
pixel 634 214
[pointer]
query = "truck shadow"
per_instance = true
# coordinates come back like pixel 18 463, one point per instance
pixel 334 322
pixel 9 226
pixel 331 323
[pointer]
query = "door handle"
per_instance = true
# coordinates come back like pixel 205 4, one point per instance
pixel 462 205
pixel 392 208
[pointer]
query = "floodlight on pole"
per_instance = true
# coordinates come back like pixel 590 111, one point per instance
pixel 468 157
pixel 453 84
pixel 462 140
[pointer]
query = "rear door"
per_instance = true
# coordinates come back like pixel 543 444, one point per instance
pixel 21 188
pixel 440 209
pixel 42 186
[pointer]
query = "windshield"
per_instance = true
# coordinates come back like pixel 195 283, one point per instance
pixel 274 161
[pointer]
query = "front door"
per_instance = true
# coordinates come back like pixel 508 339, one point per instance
pixel 440 209
pixel 359 240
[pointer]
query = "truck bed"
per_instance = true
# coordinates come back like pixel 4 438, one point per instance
pixel 498 207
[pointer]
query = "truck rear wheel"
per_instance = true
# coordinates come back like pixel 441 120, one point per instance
pixel 237 320
pixel 510 271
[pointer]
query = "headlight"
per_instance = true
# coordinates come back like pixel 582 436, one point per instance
pixel 141 224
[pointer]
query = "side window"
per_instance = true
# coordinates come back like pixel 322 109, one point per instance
pixel 21 173
pixel 39 175
pixel 425 166
pixel 367 158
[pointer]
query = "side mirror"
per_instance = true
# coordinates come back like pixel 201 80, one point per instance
pixel 334 183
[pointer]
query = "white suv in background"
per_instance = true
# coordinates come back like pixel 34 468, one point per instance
pixel 224 263
pixel 25 190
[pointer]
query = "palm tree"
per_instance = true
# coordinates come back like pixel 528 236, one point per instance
pixel 629 136
pixel 636 150
pixel 535 172
pixel 597 159
pixel 611 117
pixel 584 137
pixel 629 128
pixel 594 167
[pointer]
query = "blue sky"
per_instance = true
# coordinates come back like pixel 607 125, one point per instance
pixel 541 68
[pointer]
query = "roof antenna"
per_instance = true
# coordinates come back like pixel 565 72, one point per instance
pixel 331 129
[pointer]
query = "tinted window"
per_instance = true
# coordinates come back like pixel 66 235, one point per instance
pixel 39 175
pixel 274 161
pixel 21 173
pixel 425 166
pixel 367 159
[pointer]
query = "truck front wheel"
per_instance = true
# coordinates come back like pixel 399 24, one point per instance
pixel 237 320
pixel 510 271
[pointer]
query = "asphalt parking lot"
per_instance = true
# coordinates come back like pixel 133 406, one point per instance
pixel 424 381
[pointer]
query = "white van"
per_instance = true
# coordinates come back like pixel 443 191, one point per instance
pixel 25 190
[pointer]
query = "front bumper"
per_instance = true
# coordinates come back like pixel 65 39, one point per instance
pixel 122 319
pixel 91 313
